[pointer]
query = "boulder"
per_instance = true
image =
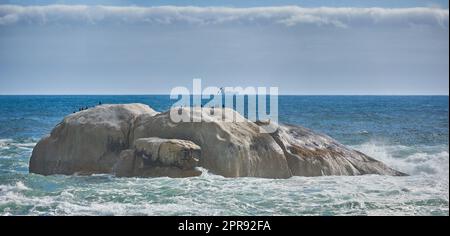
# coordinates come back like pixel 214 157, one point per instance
pixel 134 140
pixel 168 152
pixel 230 149
pixel 152 157
pixel 87 142
pixel 312 154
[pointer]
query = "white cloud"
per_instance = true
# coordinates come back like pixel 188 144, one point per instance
pixel 284 15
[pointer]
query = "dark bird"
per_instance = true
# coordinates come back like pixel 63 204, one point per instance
pixel 221 90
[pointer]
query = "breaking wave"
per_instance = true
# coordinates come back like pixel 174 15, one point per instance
pixel 429 160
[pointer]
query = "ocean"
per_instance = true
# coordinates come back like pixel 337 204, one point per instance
pixel 409 133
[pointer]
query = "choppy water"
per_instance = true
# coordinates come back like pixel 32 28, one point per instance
pixel 407 133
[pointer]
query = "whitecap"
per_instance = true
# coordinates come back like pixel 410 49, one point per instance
pixel 5 142
pixel 19 186
pixel 431 160
pixel 11 143
pixel 25 145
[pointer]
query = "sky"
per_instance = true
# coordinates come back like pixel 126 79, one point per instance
pixel 303 47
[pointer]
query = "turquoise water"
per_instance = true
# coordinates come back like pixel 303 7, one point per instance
pixel 409 133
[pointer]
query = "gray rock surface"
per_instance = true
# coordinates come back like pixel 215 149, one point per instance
pixel 87 142
pixel 230 149
pixel 134 140
pixel 312 154
pixel 159 157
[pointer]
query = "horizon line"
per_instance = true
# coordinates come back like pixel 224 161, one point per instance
pixel 167 94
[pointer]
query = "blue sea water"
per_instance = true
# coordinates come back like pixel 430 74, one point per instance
pixel 409 133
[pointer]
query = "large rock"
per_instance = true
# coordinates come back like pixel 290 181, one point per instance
pixel 312 154
pixel 169 152
pixel 159 157
pixel 230 149
pixel 126 137
pixel 87 142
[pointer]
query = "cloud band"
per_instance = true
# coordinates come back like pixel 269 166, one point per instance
pixel 283 15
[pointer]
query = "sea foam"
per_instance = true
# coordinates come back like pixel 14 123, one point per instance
pixel 431 160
